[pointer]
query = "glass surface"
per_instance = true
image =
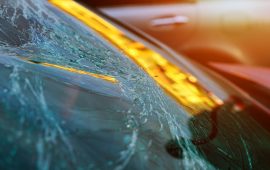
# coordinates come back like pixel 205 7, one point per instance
pixel 56 119
pixel 98 3
pixel 69 100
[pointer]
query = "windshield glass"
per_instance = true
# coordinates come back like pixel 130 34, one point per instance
pixel 62 122
pixel 69 100
pixel 98 3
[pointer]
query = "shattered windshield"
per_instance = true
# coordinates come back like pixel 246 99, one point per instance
pixel 98 3
pixel 53 119
pixel 70 100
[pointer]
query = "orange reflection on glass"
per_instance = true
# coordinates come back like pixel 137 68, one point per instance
pixel 73 70
pixel 181 85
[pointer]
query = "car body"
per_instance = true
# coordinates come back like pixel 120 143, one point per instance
pixel 79 91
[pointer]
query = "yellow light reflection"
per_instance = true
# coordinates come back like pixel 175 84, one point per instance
pixel 181 85
pixel 73 70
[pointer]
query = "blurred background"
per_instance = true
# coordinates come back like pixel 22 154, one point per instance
pixel 230 37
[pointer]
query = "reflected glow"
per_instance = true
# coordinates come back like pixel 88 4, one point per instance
pixel 179 84
pixel 73 70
